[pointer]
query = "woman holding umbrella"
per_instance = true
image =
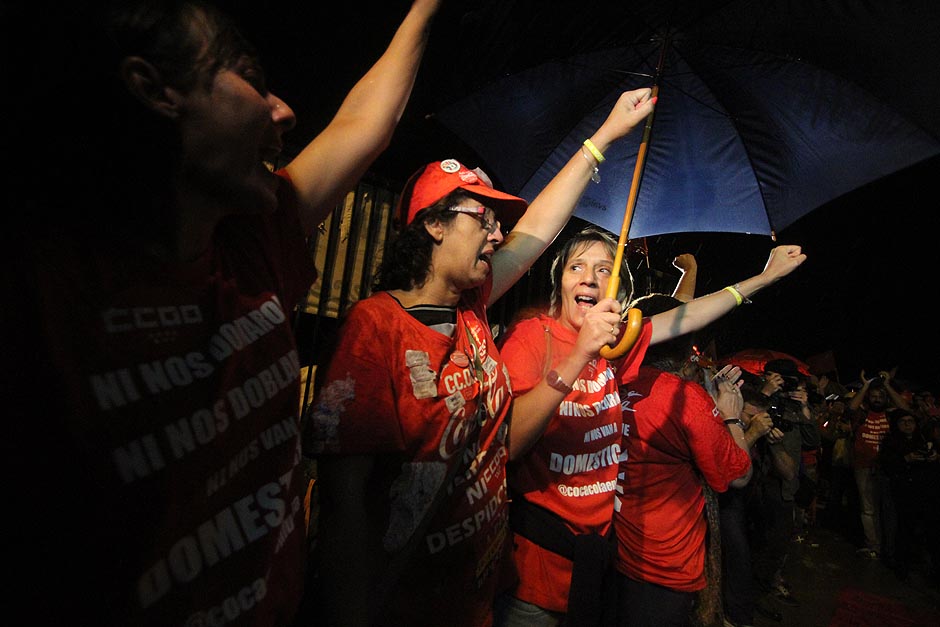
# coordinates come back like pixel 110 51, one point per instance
pixel 565 435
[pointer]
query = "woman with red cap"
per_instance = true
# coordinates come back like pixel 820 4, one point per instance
pixel 409 426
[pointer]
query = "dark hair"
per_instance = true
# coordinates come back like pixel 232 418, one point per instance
pixel 894 414
pixel 753 395
pixel 652 304
pixel 784 367
pixel 407 258
pixel 120 155
pixel 187 40
pixel 576 244
pixel 670 355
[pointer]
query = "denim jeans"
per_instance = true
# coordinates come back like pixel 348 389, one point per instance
pixel 877 510
pixel 512 612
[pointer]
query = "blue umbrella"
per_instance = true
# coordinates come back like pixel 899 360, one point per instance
pixel 744 140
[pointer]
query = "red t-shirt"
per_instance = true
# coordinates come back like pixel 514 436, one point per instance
pixel 868 437
pixel 177 387
pixel 411 396
pixel 674 437
pixel 572 469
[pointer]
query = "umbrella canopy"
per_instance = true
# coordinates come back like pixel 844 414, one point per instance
pixel 744 139
pixel 754 359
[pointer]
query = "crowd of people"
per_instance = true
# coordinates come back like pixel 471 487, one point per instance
pixel 857 459
pixel 538 478
pixel 879 469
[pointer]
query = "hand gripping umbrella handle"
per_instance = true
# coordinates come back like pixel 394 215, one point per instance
pixel 630 334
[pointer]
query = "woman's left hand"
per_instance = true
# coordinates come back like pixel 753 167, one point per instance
pixel 726 382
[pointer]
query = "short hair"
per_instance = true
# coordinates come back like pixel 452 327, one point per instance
pixel 406 262
pixel 894 415
pixel 576 244
pixel 672 354
pixel 753 395
pixel 655 303
pixel 122 149
pixel 187 40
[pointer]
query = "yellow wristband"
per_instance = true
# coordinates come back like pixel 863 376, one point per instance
pixel 594 151
pixel 737 295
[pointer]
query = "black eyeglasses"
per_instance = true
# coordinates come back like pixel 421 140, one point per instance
pixel 479 212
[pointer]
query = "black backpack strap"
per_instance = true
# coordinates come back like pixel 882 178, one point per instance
pixel 544 528
pixel 591 554
pixel 592 596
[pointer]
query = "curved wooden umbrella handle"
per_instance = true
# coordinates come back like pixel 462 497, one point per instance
pixel 630 334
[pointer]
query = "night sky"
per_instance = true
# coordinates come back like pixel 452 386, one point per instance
pixel 867 291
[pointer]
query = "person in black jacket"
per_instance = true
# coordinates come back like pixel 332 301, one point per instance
pixel 913 469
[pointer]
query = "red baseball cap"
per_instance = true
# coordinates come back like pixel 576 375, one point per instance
pixel 436 180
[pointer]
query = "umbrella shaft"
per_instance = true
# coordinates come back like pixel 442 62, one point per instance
pixel 613 285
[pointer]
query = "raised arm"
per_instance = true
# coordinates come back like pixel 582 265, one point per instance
pixel 896 397
pixel 685 288
pixel 329 166
pixel 702 311
pixel 551 209
pixel 856 401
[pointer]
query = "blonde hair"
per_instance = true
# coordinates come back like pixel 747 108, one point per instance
pixel 575 245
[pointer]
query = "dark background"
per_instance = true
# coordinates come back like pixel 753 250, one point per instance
pixel 868 290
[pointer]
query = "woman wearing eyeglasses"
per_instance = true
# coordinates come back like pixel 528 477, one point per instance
pixel 409 427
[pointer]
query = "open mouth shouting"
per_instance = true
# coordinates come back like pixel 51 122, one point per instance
pixel 584 301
